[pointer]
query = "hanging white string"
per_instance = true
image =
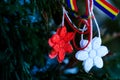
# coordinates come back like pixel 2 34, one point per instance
pixel 98 29
pixel 90 14
pixel 92 5
pixel 63 17
pixel 84 29
pixel 65 12
pixel 94 18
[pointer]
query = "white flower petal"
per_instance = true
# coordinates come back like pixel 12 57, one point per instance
pixel 102 51
pixel 88 64
pixel 81 55
pixel 96 42
pixel 83 43
pixel 92 53
pixel 98 62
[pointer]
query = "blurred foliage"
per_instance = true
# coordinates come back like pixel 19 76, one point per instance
pixel 26 25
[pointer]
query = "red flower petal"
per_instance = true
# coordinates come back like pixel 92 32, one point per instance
pixel 55 38
pixel 63 32
pixel 56 47
pixel 60 43
pixel 68 48
pixel 58 30
pixel 53 54
pixel 69 36
pixel 50 42
pixel 61 55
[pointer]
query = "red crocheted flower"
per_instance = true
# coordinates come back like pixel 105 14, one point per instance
pixel 60 42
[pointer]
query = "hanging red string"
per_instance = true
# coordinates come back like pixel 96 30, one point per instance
pixel 87 23
pixel 75 29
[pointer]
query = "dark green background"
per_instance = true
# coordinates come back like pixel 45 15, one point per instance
pixel 26 26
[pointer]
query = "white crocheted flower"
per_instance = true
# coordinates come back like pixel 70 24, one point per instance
pixel 91 55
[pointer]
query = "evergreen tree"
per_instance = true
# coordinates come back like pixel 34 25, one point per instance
pixel 26 26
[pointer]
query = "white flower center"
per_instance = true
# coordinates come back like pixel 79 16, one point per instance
pixel 92 53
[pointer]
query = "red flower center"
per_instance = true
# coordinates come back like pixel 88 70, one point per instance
pixel 61 43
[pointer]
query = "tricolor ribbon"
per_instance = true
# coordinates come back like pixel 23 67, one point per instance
pixel 72 5
pixel 107 8
pixel 103 5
